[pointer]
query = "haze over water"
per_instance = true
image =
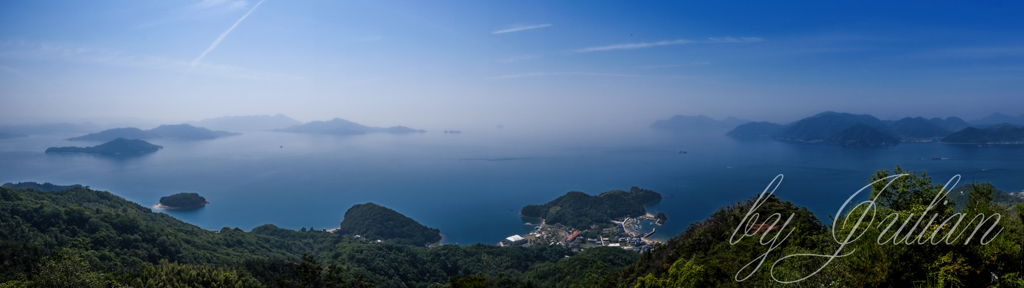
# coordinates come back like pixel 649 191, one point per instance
pixel 472 185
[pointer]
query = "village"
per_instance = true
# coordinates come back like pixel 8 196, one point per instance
pixel 625 233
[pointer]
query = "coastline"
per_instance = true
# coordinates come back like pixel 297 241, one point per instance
pixel 164 207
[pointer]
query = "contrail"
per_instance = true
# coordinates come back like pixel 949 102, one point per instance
pixel 217 42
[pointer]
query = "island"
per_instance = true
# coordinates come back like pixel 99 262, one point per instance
pixel 338 126
pixel 180 131
pixel 1005 134
pixel 372 222
pixel 182 201
pixel 119 146
pixel 853 130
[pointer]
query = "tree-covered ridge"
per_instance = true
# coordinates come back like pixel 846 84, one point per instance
pixel 372 221
pixel 704 255
pixel 861 135
pixel 119 146
pixel 88 238
pixel 45 187
pixel 581 210
pixel 183 201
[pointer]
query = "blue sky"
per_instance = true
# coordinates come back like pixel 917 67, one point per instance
pixel 464 64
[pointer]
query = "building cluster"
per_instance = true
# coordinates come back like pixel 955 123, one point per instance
pixel 625 234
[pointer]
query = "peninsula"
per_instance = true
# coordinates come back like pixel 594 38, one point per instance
pixel 372 222
pixel 182 201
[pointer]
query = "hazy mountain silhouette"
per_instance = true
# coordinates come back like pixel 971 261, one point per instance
pixel 180 131
pixel 338 126
pixel 952 124
pixel 682 123
pixel 52 128
pixel 6 135
pixel 248 123
pixel 998 119
pixel 755 130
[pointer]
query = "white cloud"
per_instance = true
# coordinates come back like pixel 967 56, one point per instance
pixel 26 51
pixel 538 74
pixel 520 28
pixel 218 4
pixel 517 58
pixel 221 37
pixel 669 42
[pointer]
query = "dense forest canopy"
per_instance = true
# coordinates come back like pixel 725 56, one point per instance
pixel 86 238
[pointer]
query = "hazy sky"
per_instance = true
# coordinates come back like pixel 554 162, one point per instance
pixel 456 64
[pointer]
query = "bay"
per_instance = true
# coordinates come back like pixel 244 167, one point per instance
pixel 471 185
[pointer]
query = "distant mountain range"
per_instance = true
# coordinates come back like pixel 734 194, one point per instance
pixel 248 123
pixel 338 126
pixel 53 128
pixel 119 146
pixel 998 119
pixel 681 123
pixel 847 129
pixel 6 135
pixel 180 131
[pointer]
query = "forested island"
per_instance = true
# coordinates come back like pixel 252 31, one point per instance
pixel 119 146
pixel 1002 134
pixel 581 210
pixel 86 238
pixel 180 131
pixel 853 130
pixel 182 201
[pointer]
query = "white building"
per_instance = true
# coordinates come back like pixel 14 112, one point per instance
pixel 513 240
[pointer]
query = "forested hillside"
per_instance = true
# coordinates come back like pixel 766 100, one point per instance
pixel 86 238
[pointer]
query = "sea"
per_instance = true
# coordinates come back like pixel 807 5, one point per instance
pixel 471 185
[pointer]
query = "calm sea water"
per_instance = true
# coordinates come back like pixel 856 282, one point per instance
pixel 472 185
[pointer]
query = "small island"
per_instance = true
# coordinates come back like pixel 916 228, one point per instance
pixel 119 146
pixel 182 201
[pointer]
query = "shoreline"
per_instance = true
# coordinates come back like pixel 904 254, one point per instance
pixel 164 207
